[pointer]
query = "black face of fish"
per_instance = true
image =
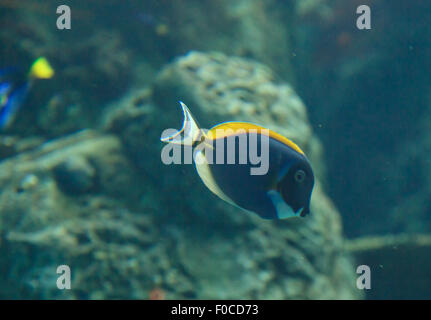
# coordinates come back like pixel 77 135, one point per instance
pixel 297 185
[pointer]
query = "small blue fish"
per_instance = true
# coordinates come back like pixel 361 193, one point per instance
pixel 14 88
pixel 285 189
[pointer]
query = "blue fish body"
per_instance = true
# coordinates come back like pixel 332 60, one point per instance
pixel 14 87
pixel 4 89
pixel 11 98
pixel 253 192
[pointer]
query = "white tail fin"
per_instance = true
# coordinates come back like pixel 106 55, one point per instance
pixel 188 134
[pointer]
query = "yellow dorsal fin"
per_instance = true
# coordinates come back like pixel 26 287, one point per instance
pixel 229 128
pixel 41 69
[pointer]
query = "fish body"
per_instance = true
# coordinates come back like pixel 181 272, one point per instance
pixel 160 28
pixel 282 191
pixel 10 103
pixel 15 85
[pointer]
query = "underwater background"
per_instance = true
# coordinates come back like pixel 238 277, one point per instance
pixel 82 183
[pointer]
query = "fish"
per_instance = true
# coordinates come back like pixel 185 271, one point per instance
pixel 282 191
pixel 15 86
pixel 160 28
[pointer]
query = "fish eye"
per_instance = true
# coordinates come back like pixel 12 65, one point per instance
pixel 299 175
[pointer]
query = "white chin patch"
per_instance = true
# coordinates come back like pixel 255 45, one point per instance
pixel 283 209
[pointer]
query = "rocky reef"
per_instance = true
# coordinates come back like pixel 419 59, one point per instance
pixel 102 202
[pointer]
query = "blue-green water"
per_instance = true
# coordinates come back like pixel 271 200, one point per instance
pixel 85 191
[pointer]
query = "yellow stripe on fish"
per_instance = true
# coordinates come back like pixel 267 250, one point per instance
pixel 226 129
